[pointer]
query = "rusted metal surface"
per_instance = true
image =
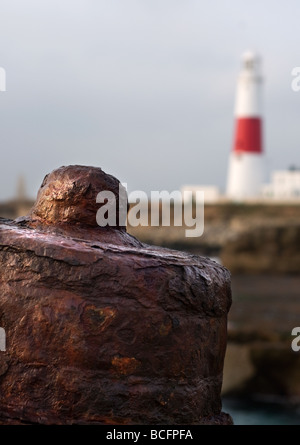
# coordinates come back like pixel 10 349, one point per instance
pixel 100 327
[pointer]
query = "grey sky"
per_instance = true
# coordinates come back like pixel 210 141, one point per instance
pixel 142 88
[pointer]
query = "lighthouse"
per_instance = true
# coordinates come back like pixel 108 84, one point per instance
pixel 245 173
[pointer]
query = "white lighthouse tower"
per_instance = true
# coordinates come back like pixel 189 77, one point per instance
pixel 245 173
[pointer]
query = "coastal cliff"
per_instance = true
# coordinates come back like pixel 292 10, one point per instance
pixel 248 238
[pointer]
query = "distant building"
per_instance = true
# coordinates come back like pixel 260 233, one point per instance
pixel 285 184
pixel 211 192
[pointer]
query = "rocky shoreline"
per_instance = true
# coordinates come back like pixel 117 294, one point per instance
pixel 248 238
pixel 259 360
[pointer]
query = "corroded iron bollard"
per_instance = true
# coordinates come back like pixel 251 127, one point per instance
pixel 101 328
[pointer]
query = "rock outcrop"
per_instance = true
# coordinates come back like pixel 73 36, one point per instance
pixel 260 362
pixel 265 248
pixel 100 328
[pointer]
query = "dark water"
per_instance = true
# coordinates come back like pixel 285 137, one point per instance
pixel 261 413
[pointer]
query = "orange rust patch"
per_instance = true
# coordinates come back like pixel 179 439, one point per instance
pixel 97 319
pixel 125 365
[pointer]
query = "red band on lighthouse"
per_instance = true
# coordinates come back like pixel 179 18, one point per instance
pixel 245 174
pixel 248 135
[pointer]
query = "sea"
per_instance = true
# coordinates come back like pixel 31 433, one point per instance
pixel 245 412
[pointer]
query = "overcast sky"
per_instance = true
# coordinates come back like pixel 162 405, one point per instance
pixel 144 89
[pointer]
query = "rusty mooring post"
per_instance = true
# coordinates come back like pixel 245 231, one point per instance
pixel 101 328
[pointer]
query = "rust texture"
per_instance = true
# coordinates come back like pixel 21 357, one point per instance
pixel 101 328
